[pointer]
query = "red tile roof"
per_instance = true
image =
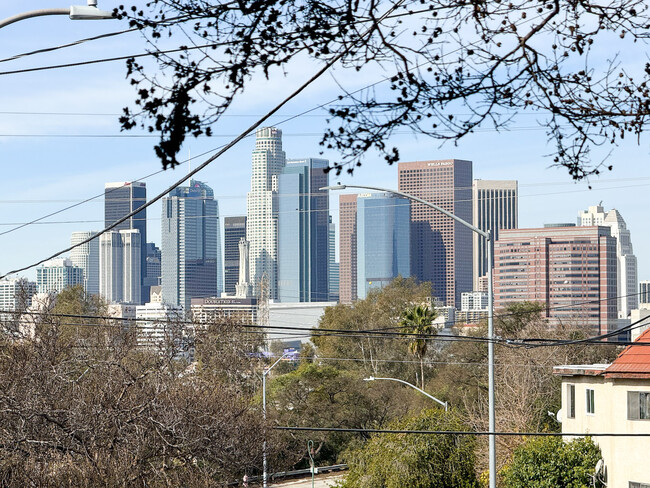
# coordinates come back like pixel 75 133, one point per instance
pixel 633 362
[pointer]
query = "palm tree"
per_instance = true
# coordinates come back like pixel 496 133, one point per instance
pixel 419 320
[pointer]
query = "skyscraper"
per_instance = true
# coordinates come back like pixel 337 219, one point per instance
pixel 120 199
pixel 383 240
pixel 627 280
pixel 347 248
pixel 572 270
pixel 154 257
pixel 332 264
pixel 15 295
pixel 261 207
pixel 494 207
pixel 86 257
pixel 191 249
pixel 303 212
pixel 441 248
pixel 120 264
pixel 234 228
pixel 56 274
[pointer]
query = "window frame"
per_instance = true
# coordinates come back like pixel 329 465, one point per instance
pixel 571 401
pixel 635 405
pixel 590 401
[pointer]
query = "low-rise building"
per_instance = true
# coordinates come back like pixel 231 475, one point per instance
pixel 614 398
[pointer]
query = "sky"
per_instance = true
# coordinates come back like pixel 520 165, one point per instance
pixel 60 141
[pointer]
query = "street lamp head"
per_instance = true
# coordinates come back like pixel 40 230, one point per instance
pixel 89 12
pixel 370 378
pixel 333 187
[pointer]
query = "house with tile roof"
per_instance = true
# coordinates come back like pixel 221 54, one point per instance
pixel 613 399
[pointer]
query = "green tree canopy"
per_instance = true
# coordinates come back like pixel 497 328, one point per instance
pixel 419 320
pixel 548 462
pixel 415 460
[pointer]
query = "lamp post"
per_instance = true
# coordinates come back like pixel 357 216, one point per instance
pixel 264 374
pixel 75 12
pixel 444 404
pixel 487 235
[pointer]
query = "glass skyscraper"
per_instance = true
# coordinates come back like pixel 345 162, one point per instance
pixel 120 199
pixel 234 228
pixel 86 257
pixel 383 240
pixel 191 250
pixel 303 231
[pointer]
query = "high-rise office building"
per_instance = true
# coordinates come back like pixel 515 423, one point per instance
pixel 383 240
pixel 441 248
pixel 571 270
pixel 56 274
pixel 120 199
pixel 644 294
pixel 332 264
pixel 494 207
pixel 16 295
pixel 347 248
pixel 627 265
pixel 261 208
pixel 303 231
pixel 154 257
pixel 234 228
pixel 86 257
pixel 191 248
pixel 120 264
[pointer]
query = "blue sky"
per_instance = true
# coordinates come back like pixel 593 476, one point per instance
pixel 51 158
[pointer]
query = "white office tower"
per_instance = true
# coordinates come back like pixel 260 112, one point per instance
pixel 243 287
pixel 494 207
pixel 86 257
pixel 56 274
pixel 120 266
pixel 626 272
pixel 15 294
pixel 262 208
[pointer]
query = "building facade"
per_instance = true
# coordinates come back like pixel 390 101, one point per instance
pixel 572 270
pixel 627 279
pixel 262 208
pixel 16 294
pixel 120 264
pixel 86 257
pixel 191 250
pixel 56 274
pixel 383 240
pixel 332 263
pixel 614 399
pixel 441 248
pixel 644 294
pixel 234 229
pixel 494 207
pixel 120 199
pixel 347 248
pixel 303 231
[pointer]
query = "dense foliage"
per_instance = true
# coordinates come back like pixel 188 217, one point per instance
pixel 549 462
pixel 416 460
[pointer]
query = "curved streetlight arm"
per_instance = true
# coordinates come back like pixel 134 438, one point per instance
pixel 411 197
pixel 75 12
pixel 444 404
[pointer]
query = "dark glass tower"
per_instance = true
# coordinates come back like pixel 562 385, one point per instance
pixel 234 230
pixel 119 200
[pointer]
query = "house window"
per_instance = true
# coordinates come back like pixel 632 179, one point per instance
pixel 638 405
pixel 590 401
pixel 634 484
pixel 571 401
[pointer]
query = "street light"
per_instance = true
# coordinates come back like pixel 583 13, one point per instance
pixel 266 372
pixel 490 255
pixel 444 404
pixel 75 12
